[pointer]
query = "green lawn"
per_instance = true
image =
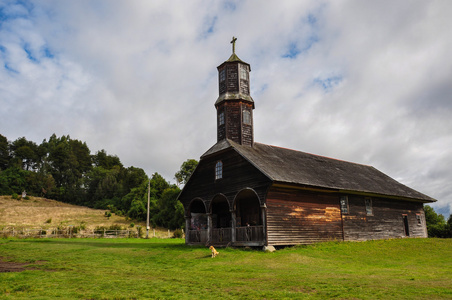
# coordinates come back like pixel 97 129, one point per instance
pixel 166 268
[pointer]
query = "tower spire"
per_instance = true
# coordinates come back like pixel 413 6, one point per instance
pixel 234 104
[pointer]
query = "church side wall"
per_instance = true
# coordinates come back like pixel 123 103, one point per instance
pixel 385 221
pixel 302 217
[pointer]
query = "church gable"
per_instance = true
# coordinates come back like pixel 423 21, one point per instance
pixel 236 174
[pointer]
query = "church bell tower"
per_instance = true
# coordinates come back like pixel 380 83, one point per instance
pixel 234 104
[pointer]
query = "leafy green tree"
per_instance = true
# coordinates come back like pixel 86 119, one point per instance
pixel 136 201
pixel 68 161
pixel 4 152
pixel 13 180
pixel 169 214
pixel 102 159
pixel 158 185
pixel 436 224
pixel 187 168
pixel 25 154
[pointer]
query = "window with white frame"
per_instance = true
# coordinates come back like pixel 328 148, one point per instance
pixel 368 202
pixel 344 204
pixel 218 170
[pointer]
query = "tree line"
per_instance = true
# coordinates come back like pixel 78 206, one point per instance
pixel 64 169
pixel 437 226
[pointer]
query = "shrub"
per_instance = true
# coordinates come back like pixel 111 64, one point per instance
pixel 132 225
pixel 107 214
pixel 82 225
pixel 140 231
pixel 178 233
pixel 49 221
pixel 115 227
pixel 14 196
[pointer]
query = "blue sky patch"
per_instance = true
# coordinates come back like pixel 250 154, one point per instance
pixel 229 5
pixel 10 69
pixel 29 52
pixel 209 26
pixel 292 51
pixel 47 53
pixel 327 84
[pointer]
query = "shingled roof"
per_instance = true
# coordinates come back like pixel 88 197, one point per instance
pixel 288 166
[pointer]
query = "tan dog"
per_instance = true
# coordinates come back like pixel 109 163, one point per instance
pixel 214 251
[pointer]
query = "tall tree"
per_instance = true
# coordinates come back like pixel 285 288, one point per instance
pixel 25 154
pixel 4 152
pixel 436 224
pixel 102 159
pixel 187 168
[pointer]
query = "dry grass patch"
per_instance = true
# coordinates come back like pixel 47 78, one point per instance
pixel 45 213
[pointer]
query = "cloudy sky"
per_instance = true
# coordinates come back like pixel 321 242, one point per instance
pixel 364 81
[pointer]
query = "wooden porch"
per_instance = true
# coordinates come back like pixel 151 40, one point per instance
pixel 241 236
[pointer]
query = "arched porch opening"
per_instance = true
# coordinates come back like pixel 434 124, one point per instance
pixel 249 217
pixel 196 222
pixel 221 220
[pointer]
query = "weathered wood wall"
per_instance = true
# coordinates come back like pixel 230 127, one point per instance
pixel 237 175
pixel 386 220
pixel 302 217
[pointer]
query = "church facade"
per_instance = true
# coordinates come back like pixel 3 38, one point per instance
pixel 245 193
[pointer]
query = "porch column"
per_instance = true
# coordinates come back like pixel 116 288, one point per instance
pixel 187 228
pixel 209 227
pixel 264 221
pixel 233 225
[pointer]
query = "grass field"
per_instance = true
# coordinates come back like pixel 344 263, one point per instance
pixel 166 268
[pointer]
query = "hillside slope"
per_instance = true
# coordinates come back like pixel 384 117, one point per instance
pixel 46 213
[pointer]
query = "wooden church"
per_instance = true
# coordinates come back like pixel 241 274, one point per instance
pixel 244 193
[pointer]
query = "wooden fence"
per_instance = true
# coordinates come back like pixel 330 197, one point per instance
pixel 71 233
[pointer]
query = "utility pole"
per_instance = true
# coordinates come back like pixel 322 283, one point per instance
pixel 149 200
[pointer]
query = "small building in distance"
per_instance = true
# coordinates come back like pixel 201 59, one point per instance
pixel 244 193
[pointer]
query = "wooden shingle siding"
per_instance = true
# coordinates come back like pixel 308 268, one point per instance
pixel 386 220
pixel 299 217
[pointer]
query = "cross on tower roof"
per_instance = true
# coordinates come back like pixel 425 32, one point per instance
pixel 233 44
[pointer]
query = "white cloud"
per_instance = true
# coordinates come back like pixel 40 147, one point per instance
pixel 356 80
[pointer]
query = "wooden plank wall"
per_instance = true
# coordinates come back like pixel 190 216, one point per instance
pixel 386 220
pixel 237 175
pixel 302 217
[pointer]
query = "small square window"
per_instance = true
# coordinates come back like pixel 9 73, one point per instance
pixel 344 204
pixel 368 202
pixel 419 219
pixel 218 170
